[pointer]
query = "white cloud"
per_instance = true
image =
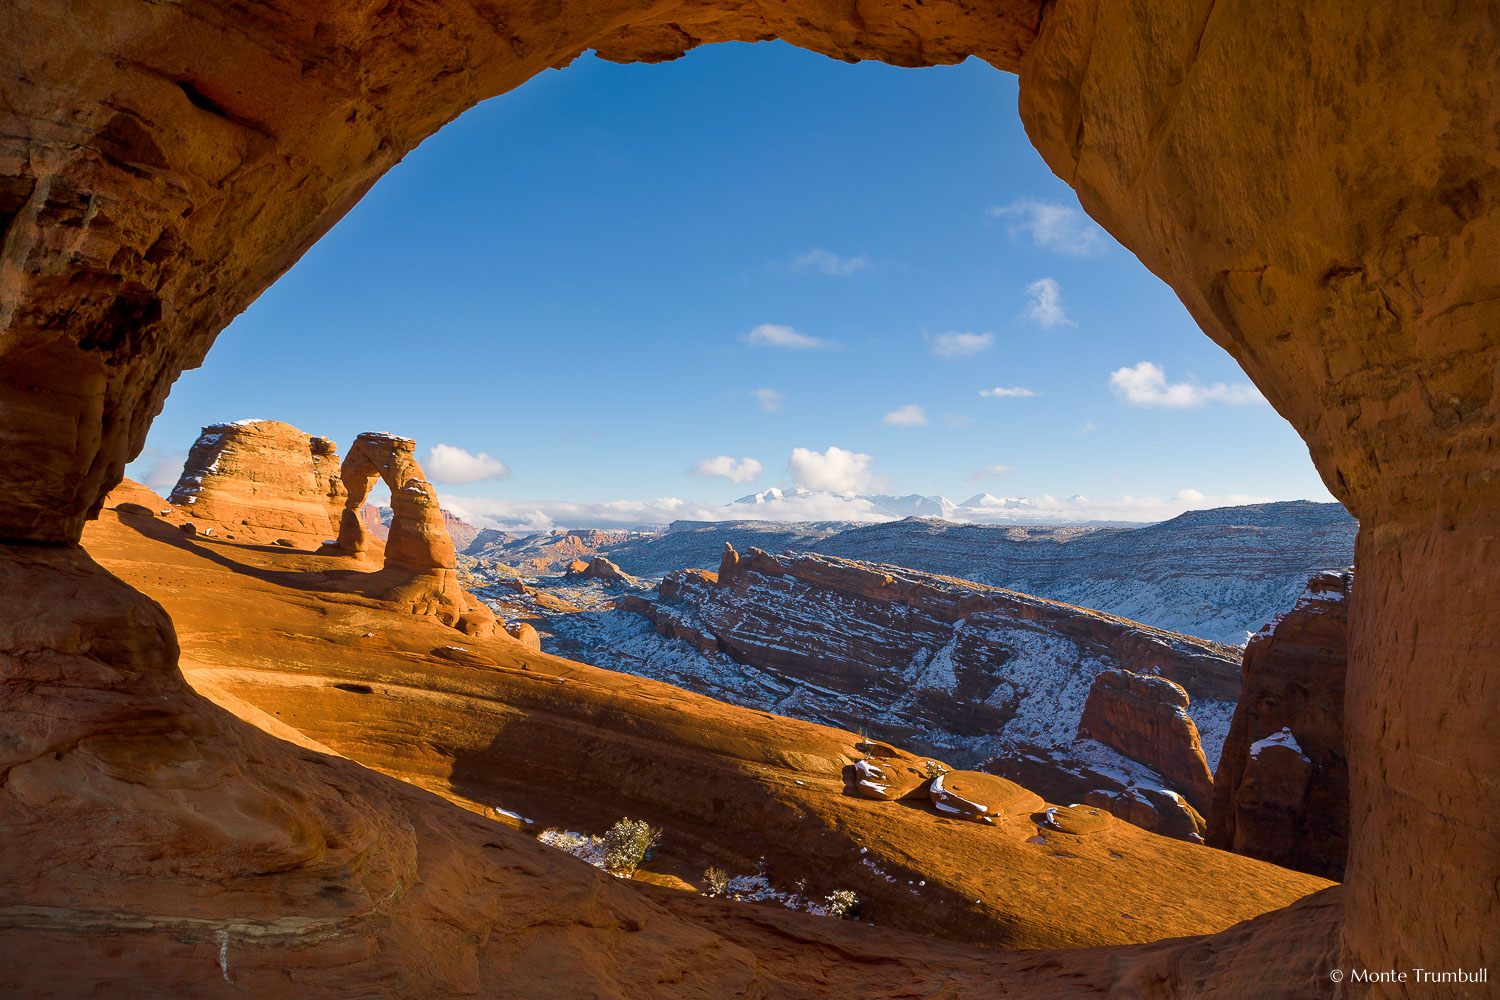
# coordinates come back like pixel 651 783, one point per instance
pixel 1045 308
pixel 1051 226
pixel 910 415
pixel 835 470
pixel 1048 509
pixel 769 399
pixel 990 472
pixel 1146 384
pixel 1087 428
pixel 743 471
pixel 447 464
pixel 961 345
pixel 775 335
pixel 829 263
pixel 157 470
pixel 1000 392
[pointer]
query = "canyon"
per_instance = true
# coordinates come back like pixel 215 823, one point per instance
pixel 974 674
pixel 1219 574
pixel 1317 184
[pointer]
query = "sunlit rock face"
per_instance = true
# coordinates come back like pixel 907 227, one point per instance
pixel 262 480
pixel 1145 717
pixel 1320 189
pixel 967 670
pixel 1317 183
pixel 1281 793
pixel 421 566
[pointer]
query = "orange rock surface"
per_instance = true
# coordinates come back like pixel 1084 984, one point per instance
pixel 510 726
pixel 420 571
pixel 263 480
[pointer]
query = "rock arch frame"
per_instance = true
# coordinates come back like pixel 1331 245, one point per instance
pixel 1319 183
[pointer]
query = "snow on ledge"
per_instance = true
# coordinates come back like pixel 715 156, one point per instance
pixel 1281 739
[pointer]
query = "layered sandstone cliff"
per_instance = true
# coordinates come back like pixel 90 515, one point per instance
pixel 968 671
pixel 1146 718
pixel 261 480
pixel 1282 789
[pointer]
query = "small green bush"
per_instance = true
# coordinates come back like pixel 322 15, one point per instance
pixel 717 880
pixel 843 904
pixel 626 844
pixel 932 769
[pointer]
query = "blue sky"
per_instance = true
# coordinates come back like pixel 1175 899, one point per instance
pixel 592 279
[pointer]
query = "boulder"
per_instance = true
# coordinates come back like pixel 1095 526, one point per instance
pixel 525 634
pixel 886 779
pixel 981 797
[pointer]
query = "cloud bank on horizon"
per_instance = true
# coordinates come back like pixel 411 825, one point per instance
pixel 526 516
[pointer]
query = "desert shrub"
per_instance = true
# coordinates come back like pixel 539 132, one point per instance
pixel 842 903
pixel 576 844
pixel 717 880
pixel 932 769
pixel 626 844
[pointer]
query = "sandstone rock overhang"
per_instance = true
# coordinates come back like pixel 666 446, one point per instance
pixel 1316 183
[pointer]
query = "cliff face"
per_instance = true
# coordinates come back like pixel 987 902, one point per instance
pixel 970 671
pixel 1282 790
pixel 1218 574
pixel 261 480
pixel 1146 719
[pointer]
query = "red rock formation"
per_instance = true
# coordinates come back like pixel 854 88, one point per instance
pixel 983 798
pixel 1282 790
pixel 598 568
pixel 1317 186
pixel 913 654
pixel 525 634
pixel 1146 719
pixel 421 567
pixel 263 480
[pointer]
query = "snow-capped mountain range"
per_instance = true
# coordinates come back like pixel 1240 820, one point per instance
pixel 804 505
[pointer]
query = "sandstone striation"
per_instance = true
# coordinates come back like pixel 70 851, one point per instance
pixel 926 660
pixel 1218 574
pixel 1146 719
pixel 1282 789
pixel 262 480
pixel 421 566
